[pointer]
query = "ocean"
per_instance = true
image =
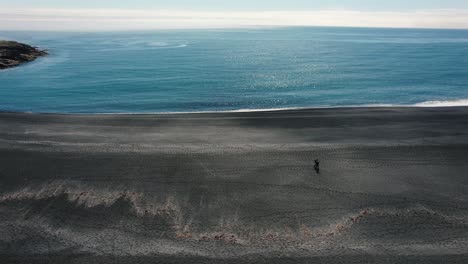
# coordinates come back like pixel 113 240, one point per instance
pixel 237 69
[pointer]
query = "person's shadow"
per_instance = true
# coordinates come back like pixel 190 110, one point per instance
pixel 317 166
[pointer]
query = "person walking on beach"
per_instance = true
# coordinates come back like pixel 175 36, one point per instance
pixel 317 166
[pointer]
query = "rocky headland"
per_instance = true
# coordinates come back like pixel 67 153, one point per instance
pixel 13 53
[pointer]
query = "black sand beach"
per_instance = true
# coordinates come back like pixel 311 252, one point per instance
pixel 236 187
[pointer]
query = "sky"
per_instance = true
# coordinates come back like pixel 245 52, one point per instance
pixel 95 15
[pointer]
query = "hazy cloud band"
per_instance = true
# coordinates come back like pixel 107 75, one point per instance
pixel 115 19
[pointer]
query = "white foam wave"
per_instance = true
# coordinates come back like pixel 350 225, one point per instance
pixel 165 45
pixel 175 46
pixel 264 109
pixel 447 103
pixel 158 44
pixel 137 45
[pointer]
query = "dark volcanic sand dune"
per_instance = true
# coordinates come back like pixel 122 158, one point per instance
pixel 393 187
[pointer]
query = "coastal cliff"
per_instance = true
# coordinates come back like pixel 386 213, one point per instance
pixel 13 53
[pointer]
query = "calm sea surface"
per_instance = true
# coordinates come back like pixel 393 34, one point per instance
pixel 215 70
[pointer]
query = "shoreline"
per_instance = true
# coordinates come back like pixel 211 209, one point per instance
pixel 259 110
pixel 302 127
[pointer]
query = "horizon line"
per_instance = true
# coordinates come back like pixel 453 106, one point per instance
pixel 253 27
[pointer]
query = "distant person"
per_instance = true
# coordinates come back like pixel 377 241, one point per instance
pixel 317 166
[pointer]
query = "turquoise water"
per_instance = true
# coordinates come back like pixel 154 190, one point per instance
pixel 215 70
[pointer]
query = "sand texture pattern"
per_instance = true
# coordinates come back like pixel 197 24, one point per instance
pixel 236 187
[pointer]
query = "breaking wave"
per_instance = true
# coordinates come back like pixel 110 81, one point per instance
pixel 447 103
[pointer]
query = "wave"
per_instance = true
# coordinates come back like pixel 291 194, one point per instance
pixel 155 45
pixel 138 45
pixel 166 45
pixel 447 103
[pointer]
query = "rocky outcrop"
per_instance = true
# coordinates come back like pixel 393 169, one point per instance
pixel 13 53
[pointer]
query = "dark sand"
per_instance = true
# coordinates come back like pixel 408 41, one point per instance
pixel 236 187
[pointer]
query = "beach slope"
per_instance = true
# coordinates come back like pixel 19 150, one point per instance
pixel 236 187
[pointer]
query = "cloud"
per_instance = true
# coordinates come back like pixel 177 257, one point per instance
pixel 117 19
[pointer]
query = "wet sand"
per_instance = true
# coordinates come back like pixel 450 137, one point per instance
pixel 236 187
